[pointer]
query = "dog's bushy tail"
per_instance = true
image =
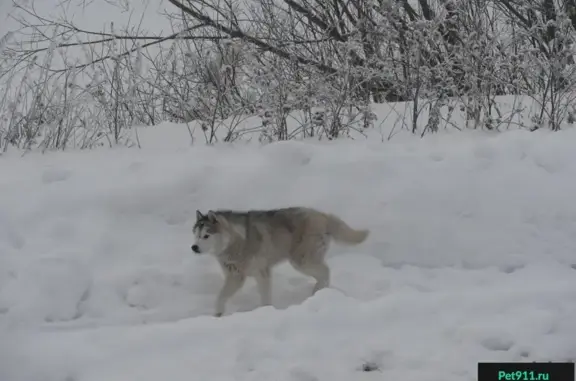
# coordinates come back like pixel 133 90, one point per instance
pixel 343 233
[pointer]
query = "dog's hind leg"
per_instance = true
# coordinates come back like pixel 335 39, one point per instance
pixel 308 258
pixel 233 282
pixel 263 282
pixel 317 270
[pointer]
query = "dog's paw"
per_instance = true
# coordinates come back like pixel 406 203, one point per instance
pixel 218 314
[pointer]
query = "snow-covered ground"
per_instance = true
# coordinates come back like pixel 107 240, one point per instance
pixel 470 259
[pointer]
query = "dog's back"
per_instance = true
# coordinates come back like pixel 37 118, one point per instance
pixel 293 233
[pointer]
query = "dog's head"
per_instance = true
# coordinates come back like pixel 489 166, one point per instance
pixel 209 233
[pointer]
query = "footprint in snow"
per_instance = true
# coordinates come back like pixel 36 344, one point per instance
pixel 497 343
pixel 135 167
pixel 53 175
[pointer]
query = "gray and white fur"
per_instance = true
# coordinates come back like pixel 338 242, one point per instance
pixel 251 243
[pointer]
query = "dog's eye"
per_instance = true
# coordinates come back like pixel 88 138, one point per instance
pixel 206 236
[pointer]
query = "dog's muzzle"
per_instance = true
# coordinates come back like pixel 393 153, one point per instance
pixel 196 249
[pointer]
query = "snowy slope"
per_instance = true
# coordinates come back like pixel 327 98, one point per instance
pixel 470 259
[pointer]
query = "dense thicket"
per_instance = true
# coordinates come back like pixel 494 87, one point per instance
pixel 328 60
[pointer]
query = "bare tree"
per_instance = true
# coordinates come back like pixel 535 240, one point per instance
pixel 323 63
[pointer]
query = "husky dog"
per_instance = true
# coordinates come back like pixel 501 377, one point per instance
pixel 251 243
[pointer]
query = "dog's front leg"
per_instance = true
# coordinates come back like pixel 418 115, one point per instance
pixel 233 282
pixel 264 286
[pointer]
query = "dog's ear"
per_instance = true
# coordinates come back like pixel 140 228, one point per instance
pixel 199 215
pixel 212 217
pixel 216 218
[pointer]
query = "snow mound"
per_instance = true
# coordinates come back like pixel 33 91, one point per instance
pixel 470 259
pixel 47 290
